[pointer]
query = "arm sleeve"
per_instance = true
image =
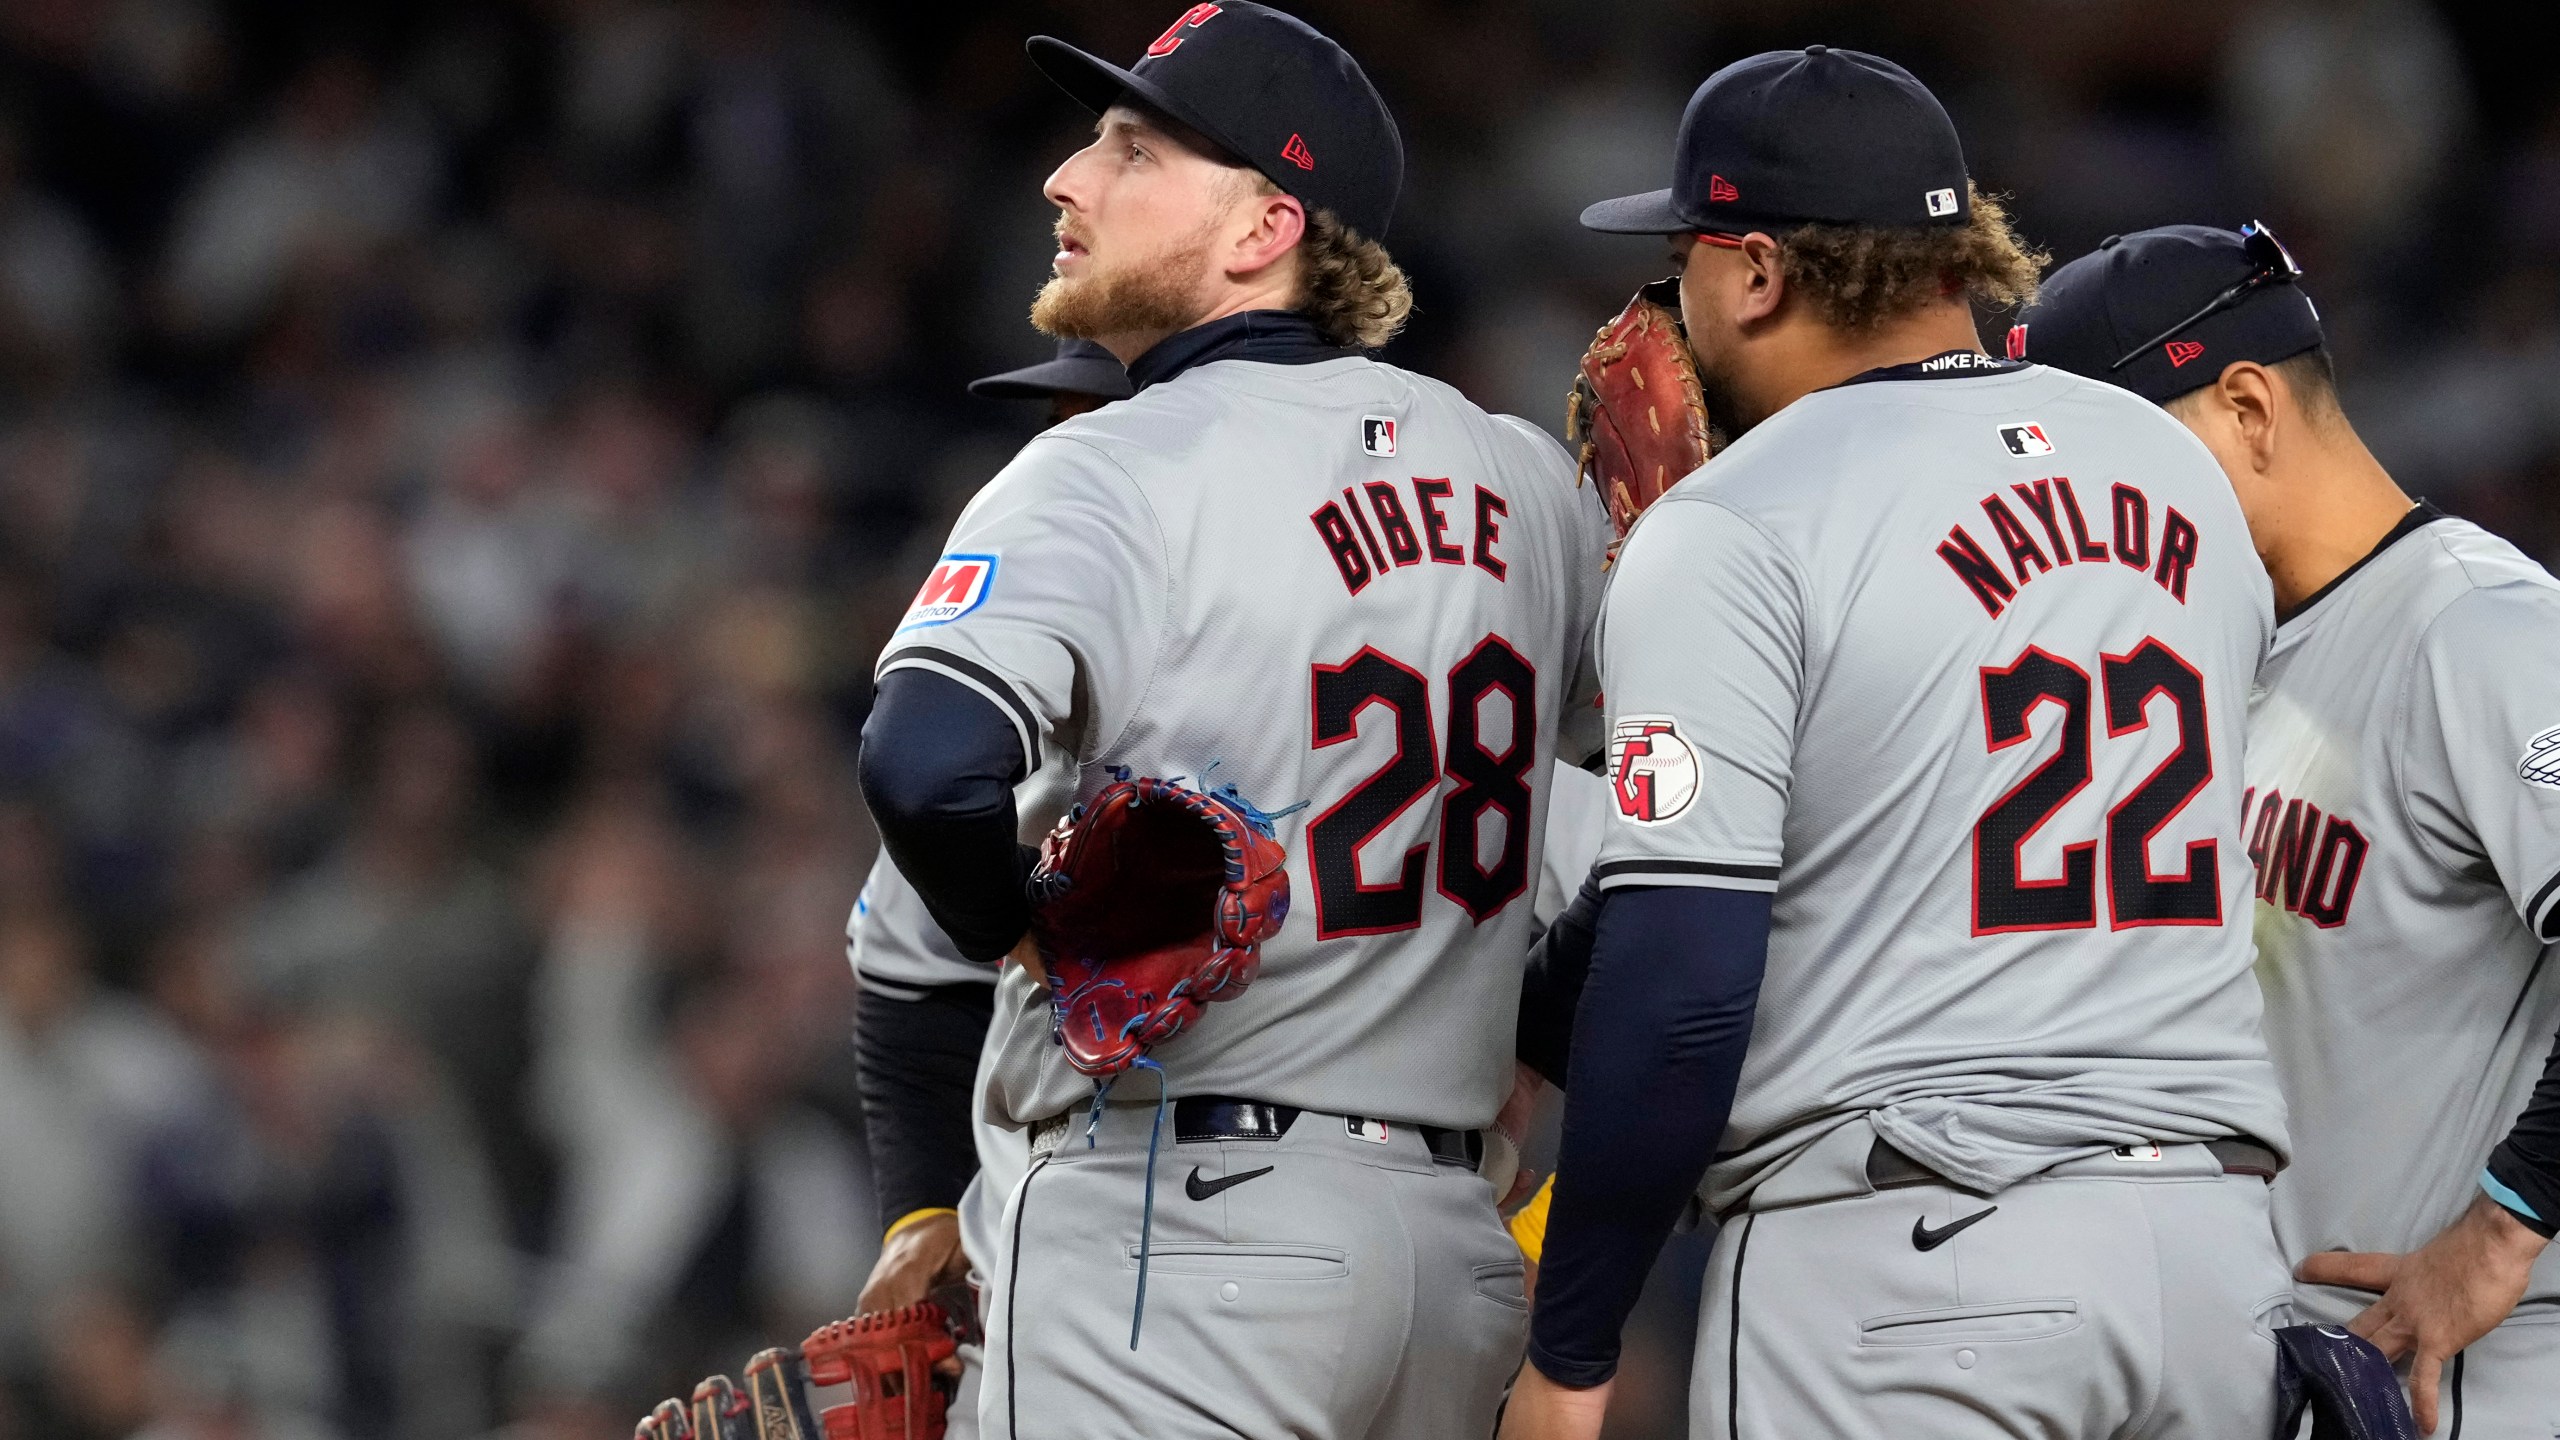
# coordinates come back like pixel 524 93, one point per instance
pixel 1665 1020
pixel 1049 600
pixel 1701 650
pixel 915 1061
pixel 939 763
pixel 1551 987
pixel 2527 1163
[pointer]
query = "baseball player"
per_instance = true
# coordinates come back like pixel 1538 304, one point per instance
pixel 2404 820
pixel 1920 929
pixel 1317 579
pixel 922 1029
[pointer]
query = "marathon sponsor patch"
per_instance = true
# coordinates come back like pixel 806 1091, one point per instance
pixel 958 585
pixel 2026 440
pixel 2540 763
pixel 1652 768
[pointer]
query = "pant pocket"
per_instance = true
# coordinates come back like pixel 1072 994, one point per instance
pixel 1505 1282
pixel 1989 1324
pixel 1250 1261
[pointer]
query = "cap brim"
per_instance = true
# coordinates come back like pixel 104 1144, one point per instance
pixel 1648 214
pixel 1050 378
pixel 1097 85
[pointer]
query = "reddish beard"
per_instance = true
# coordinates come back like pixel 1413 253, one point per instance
pixel 1158 293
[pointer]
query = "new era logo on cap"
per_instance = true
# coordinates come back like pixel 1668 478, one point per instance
pixel 1721 189
pixel 1378 435
pixel 2025 440
pixel 2182 351
pixel 1295 152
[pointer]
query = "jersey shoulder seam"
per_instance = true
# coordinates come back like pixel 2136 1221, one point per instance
pixel 1163 599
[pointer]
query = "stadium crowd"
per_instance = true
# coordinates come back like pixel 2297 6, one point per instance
pixel 458 461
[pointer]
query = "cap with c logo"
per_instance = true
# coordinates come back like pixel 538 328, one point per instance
pixel 1811 136
pixel 1271 90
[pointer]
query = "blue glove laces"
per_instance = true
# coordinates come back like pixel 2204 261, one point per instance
pixel 1147 1215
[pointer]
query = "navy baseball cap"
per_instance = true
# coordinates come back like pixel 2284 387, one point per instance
pixel 2160 312
pixel 1081 368
pixel 1811 136
pixel 1270 90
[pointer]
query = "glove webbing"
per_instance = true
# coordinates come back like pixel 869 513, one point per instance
pixel 1147 1214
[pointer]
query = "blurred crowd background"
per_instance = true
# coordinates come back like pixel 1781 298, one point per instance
pixel 459 459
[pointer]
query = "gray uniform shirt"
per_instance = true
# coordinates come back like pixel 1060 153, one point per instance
pixel 2404 771
pixel 1956 667
pixel 1335 583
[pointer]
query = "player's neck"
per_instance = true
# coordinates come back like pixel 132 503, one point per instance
pixel 2339 504
pixel 1274 288
pixel 1807 355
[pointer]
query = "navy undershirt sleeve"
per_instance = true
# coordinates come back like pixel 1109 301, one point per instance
pixel 1657 1051
pixel 1551 987
pixel 914 1060
pixel 939 763
pixel 2528 1160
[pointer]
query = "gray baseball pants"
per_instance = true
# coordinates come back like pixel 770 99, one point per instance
pixel 2105 1299
pixel 1358 1288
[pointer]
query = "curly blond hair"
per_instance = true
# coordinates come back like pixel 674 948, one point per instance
pixel 1347 283
pixel 1859 278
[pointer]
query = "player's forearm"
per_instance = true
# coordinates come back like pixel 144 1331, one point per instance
pixel 2527 1162
pixel 1665 1019
pixel 939 763
pixel 1551 986
pixel 915 1061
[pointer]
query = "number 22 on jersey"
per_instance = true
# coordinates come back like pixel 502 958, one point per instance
pixel 2003 902
pixel 1383 691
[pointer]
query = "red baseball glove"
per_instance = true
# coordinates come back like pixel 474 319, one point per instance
pixel 1151 900
pixel 888 1358
pixel 1636 408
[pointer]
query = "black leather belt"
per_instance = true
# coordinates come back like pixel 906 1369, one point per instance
pixel 1222 1117
pixel 1890 1169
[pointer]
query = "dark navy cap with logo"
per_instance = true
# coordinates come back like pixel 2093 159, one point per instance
pixel 1811 136
pixel 2161 312
pixel 1267 88
pixel 1081 368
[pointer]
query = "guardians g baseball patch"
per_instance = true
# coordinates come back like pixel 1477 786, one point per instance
pixel 1652 767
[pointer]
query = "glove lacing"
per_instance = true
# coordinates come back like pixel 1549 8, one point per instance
pixel 1147 1212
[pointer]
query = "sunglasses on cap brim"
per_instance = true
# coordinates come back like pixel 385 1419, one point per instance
pixel 2270 264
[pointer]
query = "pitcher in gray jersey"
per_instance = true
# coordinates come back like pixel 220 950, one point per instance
pixel 2403 825
pixel 1924 916
pixel 1284 567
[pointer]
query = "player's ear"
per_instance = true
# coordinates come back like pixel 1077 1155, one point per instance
pixel 2251 400
pixel 1270 225
pixel 1764 286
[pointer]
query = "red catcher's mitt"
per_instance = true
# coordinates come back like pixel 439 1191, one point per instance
pixel 1636 409
pixel 1151 900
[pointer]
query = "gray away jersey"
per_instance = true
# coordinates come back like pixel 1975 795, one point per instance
pixel 2404 771
pixel 1956 667
pixel 1338 584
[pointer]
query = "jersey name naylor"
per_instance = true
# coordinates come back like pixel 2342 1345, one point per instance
pixel 2053 507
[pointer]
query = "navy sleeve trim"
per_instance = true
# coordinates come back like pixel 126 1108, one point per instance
pixel 2542 911
pixel 916 1061
pixel 994 684
pixel 1616 868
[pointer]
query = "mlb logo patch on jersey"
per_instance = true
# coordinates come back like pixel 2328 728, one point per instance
pixel 2138 1154
pixel 2540 764
pixel 1364 1128
pixel 1378 435
pixel 958 585
pixel 2025 440
pixel 1652 768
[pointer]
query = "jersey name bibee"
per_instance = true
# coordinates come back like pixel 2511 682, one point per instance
pixel 1363 551
pixel 2055 509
